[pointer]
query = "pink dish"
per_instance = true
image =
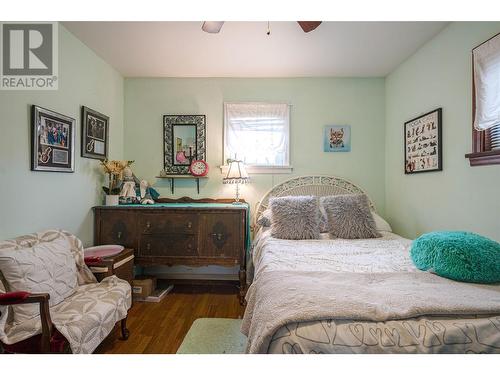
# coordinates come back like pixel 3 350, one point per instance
pixel 102 251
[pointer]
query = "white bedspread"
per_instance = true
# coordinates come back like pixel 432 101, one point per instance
pixel 386 254
pixel 363 289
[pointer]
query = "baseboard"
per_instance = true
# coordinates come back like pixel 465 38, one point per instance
pixel 192 276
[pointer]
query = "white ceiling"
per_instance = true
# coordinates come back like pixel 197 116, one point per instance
pixel 242 49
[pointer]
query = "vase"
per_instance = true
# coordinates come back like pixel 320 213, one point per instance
pixel 112 200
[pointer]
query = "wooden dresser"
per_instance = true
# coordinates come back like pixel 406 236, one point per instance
pixel 191 234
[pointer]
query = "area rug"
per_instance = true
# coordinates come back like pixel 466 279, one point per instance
pixel 214 336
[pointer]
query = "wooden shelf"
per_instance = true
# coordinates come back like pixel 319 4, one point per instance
pixel 173 177
pixel 186 176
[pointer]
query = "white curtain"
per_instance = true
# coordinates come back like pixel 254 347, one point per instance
pixel 257 133
pixel 486 59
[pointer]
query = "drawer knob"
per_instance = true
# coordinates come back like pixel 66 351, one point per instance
pixel 148 224
pixel 218 236
pixel 190 246
pixel 148 246
pixel 119 235
pixel 189 224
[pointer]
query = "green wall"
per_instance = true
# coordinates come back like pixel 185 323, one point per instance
pixel 33 201
pixel 315 102
pixel 438 75
pixel 460 197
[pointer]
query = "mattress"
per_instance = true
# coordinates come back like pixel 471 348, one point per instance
pixel 390 253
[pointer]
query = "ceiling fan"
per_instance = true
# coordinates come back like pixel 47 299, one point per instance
pixel 213 27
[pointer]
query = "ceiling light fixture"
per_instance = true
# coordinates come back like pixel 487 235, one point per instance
pixel 212 27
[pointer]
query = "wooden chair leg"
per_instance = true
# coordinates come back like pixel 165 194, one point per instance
pixel 125 332
pixel 46 324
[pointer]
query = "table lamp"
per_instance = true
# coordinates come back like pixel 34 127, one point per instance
pixel 236 174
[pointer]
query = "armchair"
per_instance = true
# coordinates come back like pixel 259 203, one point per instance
pixel 76 324
pixel 43 345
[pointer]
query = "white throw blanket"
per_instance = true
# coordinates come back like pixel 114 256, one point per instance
pixel 287 291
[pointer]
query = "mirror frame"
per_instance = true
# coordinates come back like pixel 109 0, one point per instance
pixel 168 141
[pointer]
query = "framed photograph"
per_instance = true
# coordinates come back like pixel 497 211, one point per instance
pixel 52 141
pixel 183 141
pixel 337 138
pixel 95 129
pixel 423 143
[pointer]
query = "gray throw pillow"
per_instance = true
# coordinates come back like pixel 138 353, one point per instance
pixel 295 218
pixel 349 216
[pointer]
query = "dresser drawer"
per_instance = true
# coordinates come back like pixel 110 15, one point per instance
pixel 165 223
pixel 222 235
pixel 117 227
pixel 168 246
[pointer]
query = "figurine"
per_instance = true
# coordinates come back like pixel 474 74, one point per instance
pixel 128 186
pixel 145 189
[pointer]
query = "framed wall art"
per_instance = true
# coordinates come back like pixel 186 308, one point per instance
pixel 423 143
pixel 337 138
pixel 183 141
pixel 52 141
pixel 95 129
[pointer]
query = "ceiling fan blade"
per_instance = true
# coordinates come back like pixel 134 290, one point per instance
pixel 309 25
pixel 212 27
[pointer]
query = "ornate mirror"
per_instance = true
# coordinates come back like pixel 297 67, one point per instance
pixel 183 142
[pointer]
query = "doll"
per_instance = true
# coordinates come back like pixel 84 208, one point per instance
pixel 128 191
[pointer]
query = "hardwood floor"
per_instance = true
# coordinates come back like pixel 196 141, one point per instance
pixel 161 327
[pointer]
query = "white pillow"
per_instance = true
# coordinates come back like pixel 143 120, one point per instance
pixel 380 223
pixel 47 267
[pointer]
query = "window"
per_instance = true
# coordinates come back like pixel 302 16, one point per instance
pixel 258 134
pixel 486 103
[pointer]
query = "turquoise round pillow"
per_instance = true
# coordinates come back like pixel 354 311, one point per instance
pixel 461 256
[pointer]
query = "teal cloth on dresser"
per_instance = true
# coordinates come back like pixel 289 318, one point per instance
pixel 186 205
pixel 461 256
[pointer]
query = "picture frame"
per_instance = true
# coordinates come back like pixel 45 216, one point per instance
pixel 95 134
pixel 423 139
pixel 52 141
pixel 337 138
pixel 184 140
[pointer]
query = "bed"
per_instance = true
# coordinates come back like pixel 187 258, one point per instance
pixel 358 296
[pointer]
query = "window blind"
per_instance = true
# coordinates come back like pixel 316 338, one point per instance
pixel 493 138
pixel 486 60
pixel 257 133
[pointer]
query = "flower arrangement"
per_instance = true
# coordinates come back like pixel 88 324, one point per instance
pixel 114 170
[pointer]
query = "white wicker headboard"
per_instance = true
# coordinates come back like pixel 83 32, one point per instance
pixel 310 185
